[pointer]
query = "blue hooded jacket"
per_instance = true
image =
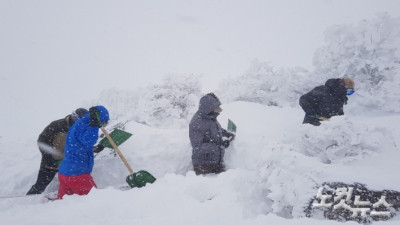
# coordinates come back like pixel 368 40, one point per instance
pixel 81 138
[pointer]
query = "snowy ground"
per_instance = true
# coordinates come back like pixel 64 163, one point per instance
pixel 274 168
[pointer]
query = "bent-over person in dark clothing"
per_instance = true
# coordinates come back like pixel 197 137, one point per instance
pixel 325 101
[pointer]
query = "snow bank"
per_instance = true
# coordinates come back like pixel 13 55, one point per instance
pixel 275 167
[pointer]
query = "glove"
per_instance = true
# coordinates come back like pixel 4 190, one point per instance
pixel 94 116
pixel 231 136
pixel 98 148
pixel 321 118
pixel 225 144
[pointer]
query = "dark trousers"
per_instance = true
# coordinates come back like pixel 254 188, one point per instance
pixel 307 107
pixel 311 119
pixel 206 169
pixel 48 169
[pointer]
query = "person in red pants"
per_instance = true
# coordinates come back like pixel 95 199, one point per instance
pixel 51 144
pixel 74 172
pixel 80 185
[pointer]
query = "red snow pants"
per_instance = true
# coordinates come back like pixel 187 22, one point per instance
pixel 81 185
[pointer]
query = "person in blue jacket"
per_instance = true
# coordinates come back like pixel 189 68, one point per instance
pixel 51 144
pixel 74 172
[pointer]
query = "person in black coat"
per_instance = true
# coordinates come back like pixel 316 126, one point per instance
pixel 325 101
pixel 51 144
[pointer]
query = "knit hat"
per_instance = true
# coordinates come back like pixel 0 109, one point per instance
pixel 78 113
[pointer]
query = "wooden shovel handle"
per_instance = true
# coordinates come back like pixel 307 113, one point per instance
pixel 117 150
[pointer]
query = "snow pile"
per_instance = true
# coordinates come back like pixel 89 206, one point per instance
pixel 342 141
pixel 269 172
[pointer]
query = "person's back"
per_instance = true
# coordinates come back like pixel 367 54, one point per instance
pixel 78 157
pixel 74 172
pixel 54 136
pixel 79 146
pixel 57 127
pixel 51 144
pixel 325 101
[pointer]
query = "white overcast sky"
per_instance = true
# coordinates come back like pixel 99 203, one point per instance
pixel 56 54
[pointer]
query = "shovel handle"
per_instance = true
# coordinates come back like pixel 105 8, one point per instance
pixel 117 150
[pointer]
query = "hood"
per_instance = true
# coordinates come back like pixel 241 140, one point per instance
pixel 104 116
pixel 208 103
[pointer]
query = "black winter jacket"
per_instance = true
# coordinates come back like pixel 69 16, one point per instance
pixel 324 101
pixel 54 135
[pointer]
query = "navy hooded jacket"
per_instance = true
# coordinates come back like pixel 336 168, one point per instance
pixel 81 138
pixel 206 134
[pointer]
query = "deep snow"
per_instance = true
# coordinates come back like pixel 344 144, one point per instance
pixel 275 165
pixel 274 168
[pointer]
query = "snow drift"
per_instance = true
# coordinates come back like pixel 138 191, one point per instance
pixel 275 167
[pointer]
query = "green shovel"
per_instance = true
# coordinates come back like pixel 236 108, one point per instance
pixel 138 179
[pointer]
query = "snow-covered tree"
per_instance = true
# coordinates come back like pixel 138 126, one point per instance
pixel 122 104
pixel 369 53
pixel 265 85
pixel 170 103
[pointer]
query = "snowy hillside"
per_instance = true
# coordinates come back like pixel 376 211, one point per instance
pixel 275 167
pixel 257 57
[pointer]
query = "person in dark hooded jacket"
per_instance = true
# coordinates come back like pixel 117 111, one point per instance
pixel 208 139
pixel 51 144
pixel 74 172
pixel 325 101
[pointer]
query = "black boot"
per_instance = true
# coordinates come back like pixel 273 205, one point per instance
pixel 45 176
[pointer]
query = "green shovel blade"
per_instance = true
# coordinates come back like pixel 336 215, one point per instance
pixel 118 136
pixel 231 126
pixel 140 179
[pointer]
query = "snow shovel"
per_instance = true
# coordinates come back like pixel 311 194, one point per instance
pixel 138 179
pixel 231 126
pixel 118 136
